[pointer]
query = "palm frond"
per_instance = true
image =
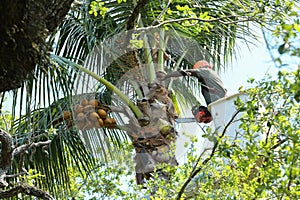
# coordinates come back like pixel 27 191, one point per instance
pixel 34 123
pixel 217 37
pixel 87 87
pixel 102 46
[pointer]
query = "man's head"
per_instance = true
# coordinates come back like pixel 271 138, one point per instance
pixel 202 64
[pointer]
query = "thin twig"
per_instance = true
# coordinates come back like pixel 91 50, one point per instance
pixel 25 147
pixel 162 12
pixel 279 143
pixel 197 19
pixel 198 160
pixel 16 175
pixel 131 20
pixel 195 172
pixel 25 189
pixel 8 152
pixel 6 124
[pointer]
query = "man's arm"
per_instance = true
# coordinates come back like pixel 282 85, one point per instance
pixel 179 73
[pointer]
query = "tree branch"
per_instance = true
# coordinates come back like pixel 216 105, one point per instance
pixel 197 19
pixel 133 16
pixel 8 152
pixel 195 172
pixel 6 156
pixel 16 175
pixel 25 189
pixel 33 146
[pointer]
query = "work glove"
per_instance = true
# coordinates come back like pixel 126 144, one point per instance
pixel 201 114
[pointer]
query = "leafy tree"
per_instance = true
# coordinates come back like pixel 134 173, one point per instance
pixel 24 30
pixel 208 28
pixel 244 168
pixel 284 47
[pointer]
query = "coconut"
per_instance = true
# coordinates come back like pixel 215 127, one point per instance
pixel 80 116
pixel 94 102
pixel 80 125
pixel 66 115
pixel 84 102
pixel 110 122
pixel 102 113
pixel 93 116
pixel 113 121
pixel 78 108
pixel 98 123
pixel 88 108
pixel 88 125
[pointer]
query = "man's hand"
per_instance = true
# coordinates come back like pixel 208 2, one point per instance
pixel 201 114
pixel 187 73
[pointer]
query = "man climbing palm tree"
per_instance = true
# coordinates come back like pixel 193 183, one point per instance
pixel 212 87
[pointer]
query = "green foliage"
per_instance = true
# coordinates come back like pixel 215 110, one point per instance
pixel 120 1
pixel 295 87
pixel 215 24
pixel 263 164
pixel 6 119
pixel 97 7
pixel 288 30
pixel 272 112
pixel 31 177
pixel 111 180
pixel 216 28
pixel 288 36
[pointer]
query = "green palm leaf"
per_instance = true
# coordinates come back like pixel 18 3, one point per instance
pixel 42 95
pixel 91 41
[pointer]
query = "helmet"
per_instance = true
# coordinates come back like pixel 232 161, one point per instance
pixel 202 64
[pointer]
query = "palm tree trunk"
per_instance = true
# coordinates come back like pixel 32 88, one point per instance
pixel 154 141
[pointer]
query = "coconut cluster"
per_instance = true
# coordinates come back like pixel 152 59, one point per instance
pixel 89 114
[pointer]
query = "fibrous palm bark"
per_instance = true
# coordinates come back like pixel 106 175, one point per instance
pixel 154 140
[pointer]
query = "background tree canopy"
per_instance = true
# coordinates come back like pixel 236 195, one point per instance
pixel 49 63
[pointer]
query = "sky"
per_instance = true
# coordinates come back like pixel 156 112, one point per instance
pixel 254 62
